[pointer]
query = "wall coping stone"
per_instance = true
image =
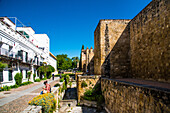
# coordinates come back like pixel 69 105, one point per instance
pixel 32 109
pixel 88 103
pixel 141 85
pixel 89 76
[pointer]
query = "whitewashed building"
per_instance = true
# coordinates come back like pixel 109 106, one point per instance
pixel 23 51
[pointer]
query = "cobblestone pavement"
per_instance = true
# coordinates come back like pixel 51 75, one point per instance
pixel 18 105
pixel 18 99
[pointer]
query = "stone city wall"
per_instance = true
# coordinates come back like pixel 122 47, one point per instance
pixel 129 98
pixel 89 80
pixel 149 42
pixel 136 49
pixel 105 37
pixel 120 56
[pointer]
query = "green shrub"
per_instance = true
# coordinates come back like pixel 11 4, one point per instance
pixel 70 84
pixel 64 87
pixel 37 80
pixel 83 84
pixel 44 78
pixel 49 76
pixel 63 75
pixel 71 74
pixel 89 98
pixel 56 85
pixel 26 83
pixel 18 78
pixel 88 92
pixel 94 94
pixel 5 88
pixel 100 99
pixel 67 78
pixel 34 75
pixel 14 86
pixel 62 79
pixel 58 75
pixel 47 101
pixel 28 75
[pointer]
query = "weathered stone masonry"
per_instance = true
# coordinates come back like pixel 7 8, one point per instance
pixel 91 82
pixel 87 65
pixel 150 42
pixel 140 49
pixel 105 37
pixel 135 49
pixel 128 98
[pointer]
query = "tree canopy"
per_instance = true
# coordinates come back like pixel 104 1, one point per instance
pixel 65 63
pixel 46 70
pixel 2 65
pixel 75 60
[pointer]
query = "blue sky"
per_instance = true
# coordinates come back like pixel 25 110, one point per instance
pixel 69 23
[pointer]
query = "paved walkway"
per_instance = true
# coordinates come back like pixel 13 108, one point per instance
pixel 18 99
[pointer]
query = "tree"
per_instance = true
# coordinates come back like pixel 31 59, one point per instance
pixel 42 70
pixel 75 60
pixel 50 69
pixel 82 47
pixel 63 62
pixel 46 70
pixel 2 66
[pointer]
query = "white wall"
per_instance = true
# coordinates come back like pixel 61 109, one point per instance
pixel 43 41
pixel 53 62
pixel 18 42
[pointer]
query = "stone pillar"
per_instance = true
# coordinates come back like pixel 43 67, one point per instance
pixel 32 72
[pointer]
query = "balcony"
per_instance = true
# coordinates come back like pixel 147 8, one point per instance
pixel 4 52
pixel 12 54
pixel 9 55
pixel 29 60
pixel 18 57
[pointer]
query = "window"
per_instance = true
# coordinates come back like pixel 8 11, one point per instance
pixel 10 75
pixel 26 57
pixel 26 73
pixel 24 33
pixel 1 76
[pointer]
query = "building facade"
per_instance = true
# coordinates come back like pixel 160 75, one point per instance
pixel 22 50
pixel 87 60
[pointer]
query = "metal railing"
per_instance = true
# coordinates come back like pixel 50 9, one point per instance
pixel 4 52
pixel 12 54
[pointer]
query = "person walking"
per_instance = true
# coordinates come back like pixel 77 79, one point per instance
pixel 53 76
